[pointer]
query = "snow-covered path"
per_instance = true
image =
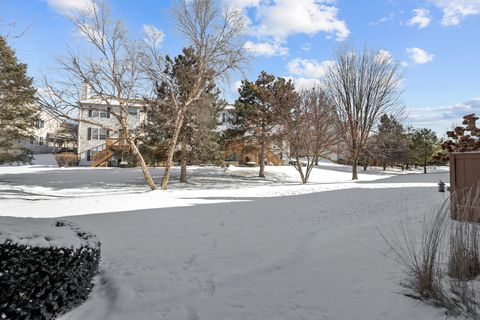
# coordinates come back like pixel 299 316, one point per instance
pixel 314 256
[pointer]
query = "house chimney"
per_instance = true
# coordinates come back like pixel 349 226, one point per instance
pixel 85 94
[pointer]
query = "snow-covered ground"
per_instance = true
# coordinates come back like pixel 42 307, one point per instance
pixel 231 246
pixel 54 192
pixel 315 256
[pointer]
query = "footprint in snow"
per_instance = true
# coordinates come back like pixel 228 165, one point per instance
pixel 209 288
pixel 190 260
pixel 191 313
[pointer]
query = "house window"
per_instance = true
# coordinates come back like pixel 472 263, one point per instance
pixel 40 141
pixel 94 135
pixel 38 123
pixel 132 111
pixel 102 134
pixel 98 113
pixel 91 154
pixel 97 134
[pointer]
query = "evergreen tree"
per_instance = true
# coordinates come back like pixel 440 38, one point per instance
pixel 197 140
pixel 423 144
pixel 17 110
pixel 256 112
pixel 391 140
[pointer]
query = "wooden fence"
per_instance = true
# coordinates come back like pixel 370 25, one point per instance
pixel 464 179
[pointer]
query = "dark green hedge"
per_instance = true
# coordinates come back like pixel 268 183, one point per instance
pixel 41 283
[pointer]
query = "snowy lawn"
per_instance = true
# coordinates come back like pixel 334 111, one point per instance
pixel 54 192
pixel 231 246
pixel 315 256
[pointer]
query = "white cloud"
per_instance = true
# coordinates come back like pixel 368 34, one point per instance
pixel 153 35
pixel 383 19
pixel 308 68
pixel 306 47
pixel 385 55
pixel 441 118
pixel 454 11
pixel 280 19
pixel 243 4
pixel 266 49
pixel 421 18
pixel 302 83
pixel 71 5
pixel 236 85
pixel 419 56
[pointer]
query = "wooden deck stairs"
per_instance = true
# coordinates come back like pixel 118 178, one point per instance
pixel 111 145
pixel 239 146
pixel 273 158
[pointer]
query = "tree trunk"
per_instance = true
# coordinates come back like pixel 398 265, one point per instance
pixel 261 172
pixel 425 166
pixel 143 165
pixel 308 171
pixel 365 166
pixel 183 163
pixel 171 148
pixel 299 168
pixel 384 166
pixel 354 169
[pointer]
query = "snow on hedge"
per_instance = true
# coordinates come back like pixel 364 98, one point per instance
pixel 42 233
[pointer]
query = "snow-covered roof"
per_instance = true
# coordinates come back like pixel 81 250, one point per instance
pixel 111 102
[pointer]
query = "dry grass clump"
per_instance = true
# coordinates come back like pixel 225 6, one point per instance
pixel 66 159
pixel 444 264
pixel 464 255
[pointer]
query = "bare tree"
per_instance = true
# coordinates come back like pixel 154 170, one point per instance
pixel 363 86
pixel 214 34
pixel 109 68
pixel 308 125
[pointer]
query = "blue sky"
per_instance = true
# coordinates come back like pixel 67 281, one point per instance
pixel 435 41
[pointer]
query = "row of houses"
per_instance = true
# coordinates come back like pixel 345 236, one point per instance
pixel 98 146
pixel 95 145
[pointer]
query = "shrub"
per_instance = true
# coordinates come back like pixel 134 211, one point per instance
pixel 422 259
pixel 464 262
pixel 444 265
pixel 42 282
pixel 66 159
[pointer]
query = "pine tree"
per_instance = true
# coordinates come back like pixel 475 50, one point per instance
pixel 17 110
pixel 256 112
pixel 391 140
pixel 197 140
pixel 423 144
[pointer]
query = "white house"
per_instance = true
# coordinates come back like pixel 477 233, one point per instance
pixel 49 134
pixel 98 128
